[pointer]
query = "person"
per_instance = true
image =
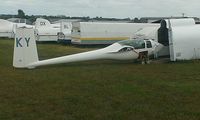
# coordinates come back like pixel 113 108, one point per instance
pixel 143 57
pixel 163 34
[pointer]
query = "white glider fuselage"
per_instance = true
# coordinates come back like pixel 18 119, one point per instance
pixel 105 53
pixel 115 51
pixel 25 52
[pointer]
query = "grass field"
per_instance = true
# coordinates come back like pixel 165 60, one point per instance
pixel 97 90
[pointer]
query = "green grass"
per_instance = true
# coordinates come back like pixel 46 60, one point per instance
pixel 97 90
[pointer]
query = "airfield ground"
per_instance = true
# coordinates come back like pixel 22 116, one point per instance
pixel 97 90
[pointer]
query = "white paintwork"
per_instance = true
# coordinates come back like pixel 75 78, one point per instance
pixel 23 54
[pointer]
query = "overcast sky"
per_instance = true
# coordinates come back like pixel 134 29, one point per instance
pixel 103 8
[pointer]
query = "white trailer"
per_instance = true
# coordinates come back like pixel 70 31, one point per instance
pixel 52 32
pixel 64 35
pixel 6 28
pixel 184 39
pixel 178 30
pixel 46 31
pixel 105 33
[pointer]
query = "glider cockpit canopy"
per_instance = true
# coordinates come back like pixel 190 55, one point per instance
pixel 137 44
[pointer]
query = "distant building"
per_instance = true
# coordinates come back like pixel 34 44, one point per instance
pixel 65 20
pixel 158 19
pixel 19 20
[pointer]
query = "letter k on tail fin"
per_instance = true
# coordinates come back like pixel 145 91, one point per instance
pixel 25 50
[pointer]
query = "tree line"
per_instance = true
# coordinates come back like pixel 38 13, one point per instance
pixel 21 14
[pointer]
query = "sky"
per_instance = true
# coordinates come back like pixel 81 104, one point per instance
pixel 104 8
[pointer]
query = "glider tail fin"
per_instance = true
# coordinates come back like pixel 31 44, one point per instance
pixel 40 22
pixel 25 50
